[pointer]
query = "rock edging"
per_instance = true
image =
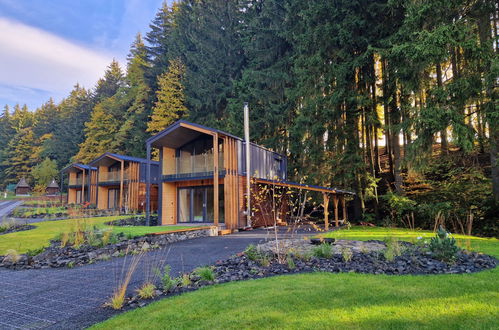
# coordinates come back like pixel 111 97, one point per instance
pixel 56 256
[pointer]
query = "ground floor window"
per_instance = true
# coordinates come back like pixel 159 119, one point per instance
pixel 196 204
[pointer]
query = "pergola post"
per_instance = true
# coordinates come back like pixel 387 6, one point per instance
pixel 343 203
pixel 148 186
pixel 121 183
pixel 326 211
pixel 83 188
pixel 336 218
pixel 215 180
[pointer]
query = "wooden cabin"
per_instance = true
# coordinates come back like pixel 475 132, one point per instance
pixel 22 188
pixel 121 182
pixel 52 188
pixel 82 184
pixel 203 176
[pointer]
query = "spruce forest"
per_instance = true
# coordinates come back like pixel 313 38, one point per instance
pixel 393 99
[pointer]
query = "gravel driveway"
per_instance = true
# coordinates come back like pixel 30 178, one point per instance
pixel 71 298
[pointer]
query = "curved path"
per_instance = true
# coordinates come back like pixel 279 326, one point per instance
pixel 71 298
pixel 8 206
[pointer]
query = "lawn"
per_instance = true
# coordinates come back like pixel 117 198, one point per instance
pixel 323 300
pixel 24 241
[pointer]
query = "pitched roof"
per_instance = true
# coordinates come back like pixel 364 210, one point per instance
pixel 53 184
pixel 79 166
pixel 22 184
pixel 122 157
pixel 178 124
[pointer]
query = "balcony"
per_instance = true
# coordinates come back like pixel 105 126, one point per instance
pixel 107 177
pixel 75 181
pixel 191 176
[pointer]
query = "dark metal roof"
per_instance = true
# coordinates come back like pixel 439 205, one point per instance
pixel 79 166
pixel 22 184
pixel 122 157
pixel 305 186
pixel 177 125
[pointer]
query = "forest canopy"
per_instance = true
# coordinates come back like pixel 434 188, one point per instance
pixel 370 95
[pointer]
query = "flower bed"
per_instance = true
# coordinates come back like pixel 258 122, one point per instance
pixel 60 255
pixel 260 262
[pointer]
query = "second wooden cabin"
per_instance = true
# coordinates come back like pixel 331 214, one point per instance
pixel 121 182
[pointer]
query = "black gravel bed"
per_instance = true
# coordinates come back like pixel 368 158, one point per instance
pixel 16 228
pixel 133 221
pixel 415 262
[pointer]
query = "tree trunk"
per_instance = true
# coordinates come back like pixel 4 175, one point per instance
pixel 484 29
pixel 443 132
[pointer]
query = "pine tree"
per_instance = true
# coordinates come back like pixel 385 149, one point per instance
pixel 100 131
pixel 135 103
pixel 169 106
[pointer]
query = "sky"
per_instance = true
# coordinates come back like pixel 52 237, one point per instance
pixel 48 46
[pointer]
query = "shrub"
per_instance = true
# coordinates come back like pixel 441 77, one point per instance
pixel 185 280
pixel 166 280
pixel 443 246
pixel 206 273
pixel 64 239
pixel 252 252
pixel 147 291
pixel 35 252
pixel 393 248
pixel 106 235
pixel 347 254
pixel 323 251
pixel 291 262
pixel 13 255
pixel 117 300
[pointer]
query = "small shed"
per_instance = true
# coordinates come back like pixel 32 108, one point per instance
pixel 22 188
pixel 52 188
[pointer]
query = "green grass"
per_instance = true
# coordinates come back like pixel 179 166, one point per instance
pixel 334 301
pixel 39 237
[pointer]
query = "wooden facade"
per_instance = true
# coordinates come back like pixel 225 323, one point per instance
pixel 22 188
pixel 202 176
pixel 82 184
pixel 121 183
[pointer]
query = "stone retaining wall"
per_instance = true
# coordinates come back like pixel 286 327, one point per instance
pixel 56 256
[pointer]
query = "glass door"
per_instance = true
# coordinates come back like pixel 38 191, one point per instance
pixel 195 204
pixel 184 205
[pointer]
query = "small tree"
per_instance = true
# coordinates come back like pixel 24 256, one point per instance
pixel 44 172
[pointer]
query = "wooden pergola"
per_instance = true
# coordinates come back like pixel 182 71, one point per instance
pixel 337 195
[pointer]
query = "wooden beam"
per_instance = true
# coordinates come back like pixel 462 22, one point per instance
pixel 121 183
pixel 197 129
pixel 326 211
pixel 336 219
pixel 343 203
pixel 290 185
pixel 83 187
pixel 215 180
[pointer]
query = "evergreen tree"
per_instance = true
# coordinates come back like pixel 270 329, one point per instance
pixel 169 106
pixel 135 104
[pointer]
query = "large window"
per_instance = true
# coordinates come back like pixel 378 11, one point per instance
pixel 197 156
pixel 196 204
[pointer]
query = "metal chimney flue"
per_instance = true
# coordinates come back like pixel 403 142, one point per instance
pixel 248 164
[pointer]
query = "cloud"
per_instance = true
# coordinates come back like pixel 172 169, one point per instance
pixel 33 59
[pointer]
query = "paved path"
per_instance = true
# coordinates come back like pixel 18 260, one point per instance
pixel 70 298
pixel 8 206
